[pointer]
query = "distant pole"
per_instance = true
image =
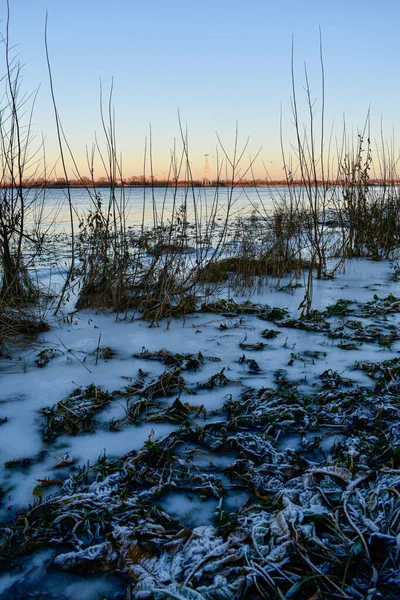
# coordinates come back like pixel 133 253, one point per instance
pixel 206 173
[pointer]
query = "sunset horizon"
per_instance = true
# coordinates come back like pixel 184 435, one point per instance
pixel 161 92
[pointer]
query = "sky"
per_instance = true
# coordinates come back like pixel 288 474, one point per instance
pixel 220 62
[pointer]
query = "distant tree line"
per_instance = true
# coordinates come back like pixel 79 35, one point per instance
pixel 141 181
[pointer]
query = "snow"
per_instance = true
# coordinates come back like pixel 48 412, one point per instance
pixel 26 389
pixel 30 389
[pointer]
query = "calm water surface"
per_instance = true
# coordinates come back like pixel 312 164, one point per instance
pixel 156 205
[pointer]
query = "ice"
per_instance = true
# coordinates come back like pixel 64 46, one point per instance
pixel 27 389
pixel 189 508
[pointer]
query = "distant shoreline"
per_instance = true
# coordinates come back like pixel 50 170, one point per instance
pixel 188 184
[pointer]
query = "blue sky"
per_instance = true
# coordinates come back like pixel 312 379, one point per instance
pixel 218 61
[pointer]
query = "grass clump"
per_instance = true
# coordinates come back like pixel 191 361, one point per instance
pixel 20 323
pixel 76 414
pixel 241 271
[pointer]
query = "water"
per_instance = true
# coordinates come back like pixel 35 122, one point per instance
pixel 155 206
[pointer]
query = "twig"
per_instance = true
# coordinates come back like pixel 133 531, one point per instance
pixel 98 349
pixel 74 355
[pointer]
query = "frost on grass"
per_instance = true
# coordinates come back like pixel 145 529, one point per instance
pixel 314 522
pixel 318 470
pixel 75 414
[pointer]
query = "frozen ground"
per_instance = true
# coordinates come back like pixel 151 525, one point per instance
pixel 94 348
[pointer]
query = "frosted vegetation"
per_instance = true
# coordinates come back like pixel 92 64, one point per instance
pixel 240 452
pixel 200 391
